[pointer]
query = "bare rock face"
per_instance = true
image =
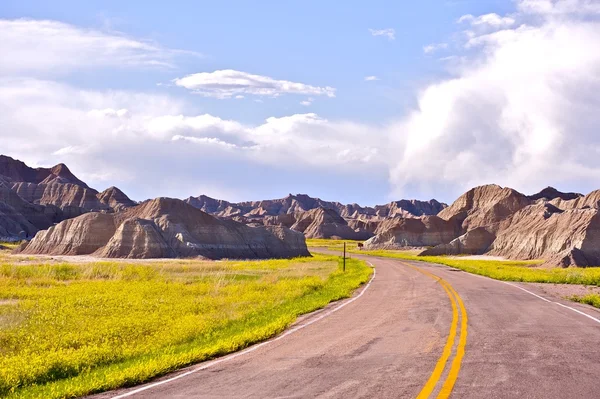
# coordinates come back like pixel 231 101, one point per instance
pixel 115 199
pixel 18 171
pixel 208 204
pixel 82 235
pixel 550 193
pixel 414 232
pixel 410 208
pixel 13 225
pixel 485 205
pixel 262 212
pixel 473 242
pixel 39 216
pixel 165 227
pixel 542 231
pixel 72 199
pixel 138 239
pixel 286 220
pixel 592 200
pixel 326 223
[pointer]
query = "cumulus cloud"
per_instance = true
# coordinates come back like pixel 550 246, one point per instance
pixel 228 83
pixel 47 47
pixel 371 78
pixel 124 138
pixel 521 111
pixel 556 7
pixel 493 20
pixel 431 48
pixel 389 33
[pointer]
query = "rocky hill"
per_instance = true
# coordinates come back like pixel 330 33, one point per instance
pixel 484 205
pixel 500 222
pixel 327 223
pixel 44 196
pixel 362 221
pixel 164 228
pixel 404 233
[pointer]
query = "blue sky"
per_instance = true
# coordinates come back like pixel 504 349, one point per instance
pixel 130 94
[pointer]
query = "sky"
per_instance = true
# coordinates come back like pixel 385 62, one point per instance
pixel 365 103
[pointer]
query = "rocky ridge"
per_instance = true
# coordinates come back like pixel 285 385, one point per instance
pixel 164 228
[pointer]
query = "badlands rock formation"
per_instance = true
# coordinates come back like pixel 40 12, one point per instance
pixel 165 227
pixel 362 221
pixel 326 223
pixel 542 231
pixel 561 231
pixel 484 205
pixel 44 196
pixel 414 232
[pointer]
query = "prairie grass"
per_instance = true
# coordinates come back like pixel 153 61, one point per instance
pixel 590 299
pixel 332 244
pixel 68 329
pixel 524 271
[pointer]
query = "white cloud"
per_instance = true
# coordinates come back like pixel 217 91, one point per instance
pixel 306 103
pixel 431 48
pixel 51 47
pixel 556 7
pixel 124 138
pixel 371 78
pixel 493 20
pixel 228 83
pixel 522 111
pixel 389 33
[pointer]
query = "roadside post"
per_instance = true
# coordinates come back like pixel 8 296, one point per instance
pixel 344 256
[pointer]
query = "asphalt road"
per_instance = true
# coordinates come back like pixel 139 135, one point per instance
pixel 418 330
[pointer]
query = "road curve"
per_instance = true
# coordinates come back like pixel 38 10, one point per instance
pixel 419 330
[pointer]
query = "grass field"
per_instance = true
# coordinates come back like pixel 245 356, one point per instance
pixel 524 271
pixel 69 329
pixel 591 299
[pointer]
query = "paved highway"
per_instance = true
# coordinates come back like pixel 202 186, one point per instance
pixel 418 330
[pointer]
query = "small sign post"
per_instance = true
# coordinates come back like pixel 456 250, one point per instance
pixel 344 256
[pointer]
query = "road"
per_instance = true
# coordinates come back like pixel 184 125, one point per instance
pixel 418 330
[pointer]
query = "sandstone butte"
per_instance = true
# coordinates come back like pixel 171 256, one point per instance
pixel 563 229
pixel 164 228
pixel 41 197
pixel 503 222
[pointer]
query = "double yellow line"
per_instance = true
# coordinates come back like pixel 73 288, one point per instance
pixel 457 305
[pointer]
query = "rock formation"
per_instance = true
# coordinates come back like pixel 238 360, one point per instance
pixel 17 171
pixel 414 232
pixel 115 199
pixel 326 223
pixel 44 196
pixel 165 227
pixel 73 200
pixel 542 231
pixel 592 200
pixel 473 242
pixel 297 209
pixel 550 193
pixel 484 205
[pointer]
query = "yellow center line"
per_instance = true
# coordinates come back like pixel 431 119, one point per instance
pixel 433 380
pixel 460 351
pixel 441 363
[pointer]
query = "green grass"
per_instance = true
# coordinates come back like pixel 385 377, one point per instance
pixel 332 244
pixel 68 330
pixel 590 299
pixel 9 245
pixel 524 271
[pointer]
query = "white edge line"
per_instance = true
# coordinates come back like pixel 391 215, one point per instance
pixel 254 347
pixel 536 295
